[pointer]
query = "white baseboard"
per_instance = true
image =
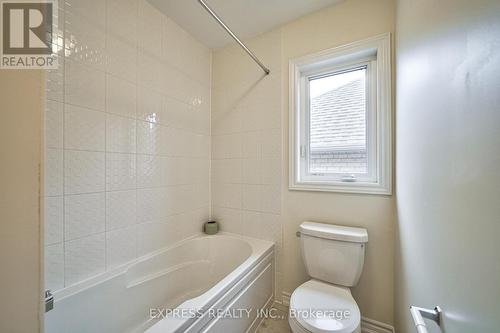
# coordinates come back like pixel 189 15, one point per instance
pixel 285 298
pixel 367 325
pixel 372 326
pixel 280 306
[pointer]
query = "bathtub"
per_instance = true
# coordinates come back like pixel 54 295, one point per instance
pixel 197 285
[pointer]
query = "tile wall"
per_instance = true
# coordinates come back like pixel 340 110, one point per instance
pixel 246 142
pixel 127 138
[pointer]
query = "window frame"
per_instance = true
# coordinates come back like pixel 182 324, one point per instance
pixel 369 64
pixel 374 53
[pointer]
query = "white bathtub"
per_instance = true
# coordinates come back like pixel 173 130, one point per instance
pixel 202 274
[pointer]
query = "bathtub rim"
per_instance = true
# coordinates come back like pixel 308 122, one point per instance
pixel 226 293
pixel 257 246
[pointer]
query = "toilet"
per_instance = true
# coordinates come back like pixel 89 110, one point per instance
pixel 334 257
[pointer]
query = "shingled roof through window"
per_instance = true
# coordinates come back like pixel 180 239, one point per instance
pixel 338 118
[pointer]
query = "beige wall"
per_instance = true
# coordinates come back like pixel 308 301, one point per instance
pixel 448 148
pixel 242 98
pixel 343 23
pixel 20 246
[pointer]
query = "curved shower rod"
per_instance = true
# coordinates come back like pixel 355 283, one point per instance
pixel 223 25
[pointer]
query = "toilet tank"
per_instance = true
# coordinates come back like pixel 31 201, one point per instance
pixel 333 253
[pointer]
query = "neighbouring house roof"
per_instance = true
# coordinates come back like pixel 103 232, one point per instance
pixel 338 118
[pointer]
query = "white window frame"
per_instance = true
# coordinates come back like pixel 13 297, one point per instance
pixel 374 53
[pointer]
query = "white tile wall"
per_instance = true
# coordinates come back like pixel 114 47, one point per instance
pixel 121 57
pixel 83 171
pixel 54 266
pixel 84 129
pixel 120 171
pixel 121 96
pixel 121 209
pixel 54 118
pixel 127 138
pixel 121 20
pixel 121 246
pixel 152 170
pixel 84 34
pixel 54 166
pixel 84 215
pixel 84 258
pixel 128 134
pixel 246 143
pixel 84 85
pixel 120 134
pixel 149 106
pixel 54 220
pixel 152 235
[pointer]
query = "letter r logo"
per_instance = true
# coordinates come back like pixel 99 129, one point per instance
pixel 27 27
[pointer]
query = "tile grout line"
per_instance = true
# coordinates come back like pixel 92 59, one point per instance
pixel 105 184
pixel 63 143
pixel 106 59
pixel 137 89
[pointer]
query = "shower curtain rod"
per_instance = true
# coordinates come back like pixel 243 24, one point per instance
pixel 247 50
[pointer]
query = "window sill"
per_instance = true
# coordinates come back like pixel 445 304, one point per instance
pixel 341 187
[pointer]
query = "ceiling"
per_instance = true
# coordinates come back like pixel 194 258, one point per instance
pixel 246 18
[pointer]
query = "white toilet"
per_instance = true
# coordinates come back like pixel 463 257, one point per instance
pixel 334 257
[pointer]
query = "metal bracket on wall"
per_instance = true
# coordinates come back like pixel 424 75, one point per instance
pixel 49 300
pixel 419 314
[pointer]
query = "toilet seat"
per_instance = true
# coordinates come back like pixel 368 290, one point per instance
pixel 320 307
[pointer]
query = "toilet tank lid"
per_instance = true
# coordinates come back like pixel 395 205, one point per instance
pixel 335 232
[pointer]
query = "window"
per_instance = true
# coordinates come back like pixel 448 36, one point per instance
pixel 340 117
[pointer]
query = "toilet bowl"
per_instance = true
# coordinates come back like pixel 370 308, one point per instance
pixel 334 258
pixel 320 307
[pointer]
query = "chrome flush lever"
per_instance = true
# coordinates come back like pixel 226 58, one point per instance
pixel 49 300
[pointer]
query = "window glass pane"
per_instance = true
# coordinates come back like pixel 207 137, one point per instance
pixel 338 123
